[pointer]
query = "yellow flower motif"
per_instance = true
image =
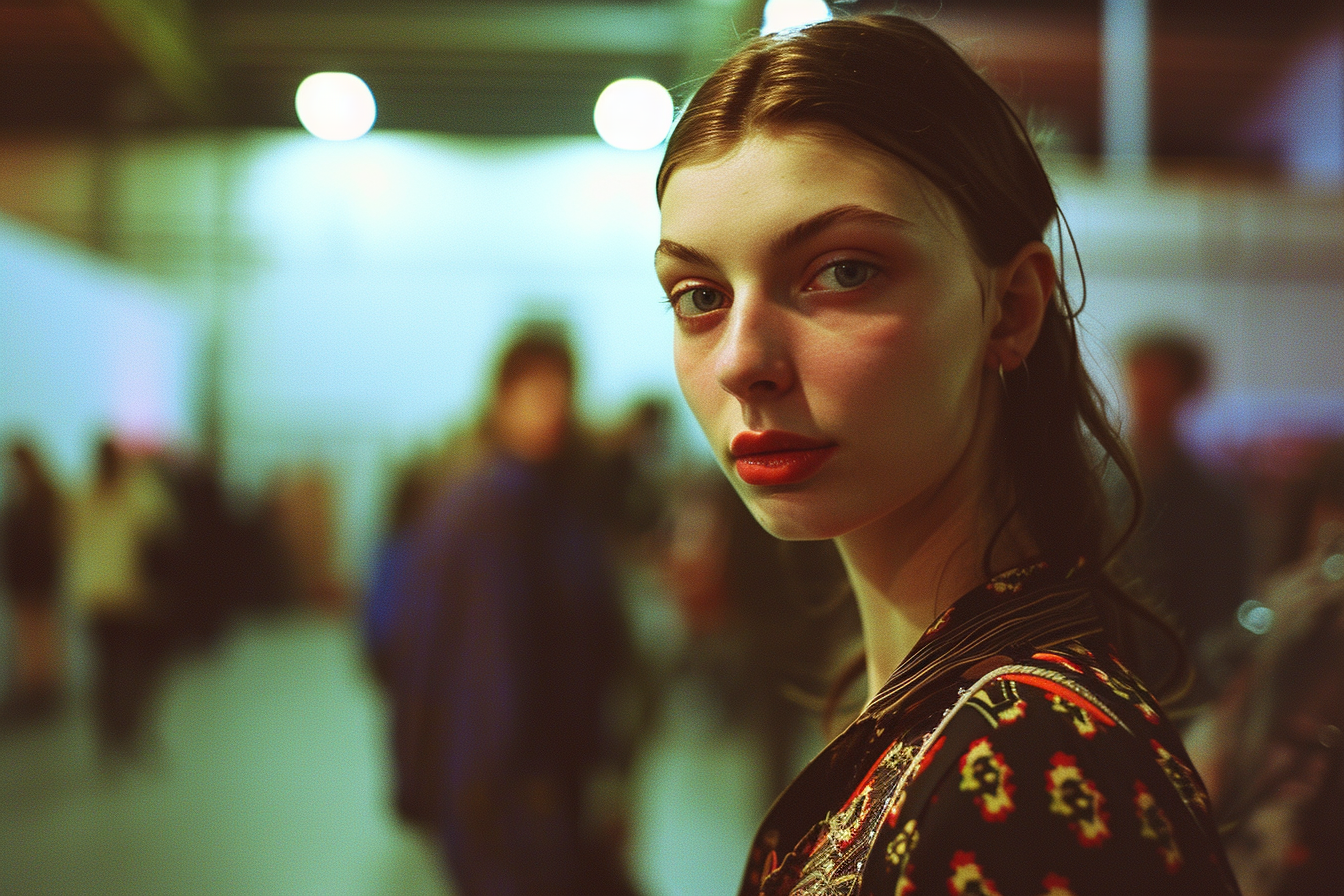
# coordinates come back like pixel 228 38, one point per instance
pixel 904 843
pixel 1077 800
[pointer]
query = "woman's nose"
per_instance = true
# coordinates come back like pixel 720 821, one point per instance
pixel 753 362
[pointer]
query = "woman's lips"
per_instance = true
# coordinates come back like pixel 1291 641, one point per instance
pixel 773 457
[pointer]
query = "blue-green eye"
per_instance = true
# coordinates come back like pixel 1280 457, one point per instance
pixel 698 300
pixel 844 275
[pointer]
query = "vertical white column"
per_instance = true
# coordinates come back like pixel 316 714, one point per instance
pixel 1124 84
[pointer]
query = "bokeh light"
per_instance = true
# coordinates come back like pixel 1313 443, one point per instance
pixel 780 15
pixel 1255 617
pixel 633 113
pixel 335 105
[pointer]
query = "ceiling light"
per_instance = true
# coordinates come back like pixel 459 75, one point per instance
pixel 335 105
pixel 633 113
pixel 781 15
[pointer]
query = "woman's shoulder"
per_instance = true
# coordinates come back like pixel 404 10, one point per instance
pixel 1054 771
pixel 1093 690
pixel 1055 708
pixel 1045 698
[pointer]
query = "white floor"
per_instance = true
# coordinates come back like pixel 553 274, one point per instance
pixel 269 779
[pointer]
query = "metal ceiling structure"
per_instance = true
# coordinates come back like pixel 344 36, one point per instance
pixel 492 67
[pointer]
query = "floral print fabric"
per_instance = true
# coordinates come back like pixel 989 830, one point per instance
pixel 1046 771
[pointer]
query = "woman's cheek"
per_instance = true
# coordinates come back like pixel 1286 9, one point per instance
pixel 882 352
pixel 696 379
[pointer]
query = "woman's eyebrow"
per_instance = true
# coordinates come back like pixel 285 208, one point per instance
pixel 814 225
pixel 684 253
pixel 798 233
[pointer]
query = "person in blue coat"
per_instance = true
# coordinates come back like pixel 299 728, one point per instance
pixel 509 639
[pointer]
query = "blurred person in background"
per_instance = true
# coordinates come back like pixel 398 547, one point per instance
pixel 32 543
pixel 115 526
pixel 508 640
pixel 760 615
pixel 197 566
pixel 1272 747
pixel 879 347
pixel 1191 549
pixel 417 484
pixel 635 477
pixel 411 491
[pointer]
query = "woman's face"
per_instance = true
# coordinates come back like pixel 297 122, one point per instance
pixel 831 329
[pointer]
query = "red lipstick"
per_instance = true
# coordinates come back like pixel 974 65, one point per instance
pixel 774 457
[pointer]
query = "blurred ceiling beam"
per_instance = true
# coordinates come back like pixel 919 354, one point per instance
pixel 535 67
pixel 473 68
pixel 157 35
pixel 487 29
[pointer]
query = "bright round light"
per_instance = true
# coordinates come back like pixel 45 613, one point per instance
pixel 633 113
pixel 335 106
pixel 781 15
pixel 1332 567
pixel 1255 617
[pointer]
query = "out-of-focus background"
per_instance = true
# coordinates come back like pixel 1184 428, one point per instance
pixel 277 328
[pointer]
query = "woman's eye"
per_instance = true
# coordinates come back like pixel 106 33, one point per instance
pixel 697 300
pixel 844 275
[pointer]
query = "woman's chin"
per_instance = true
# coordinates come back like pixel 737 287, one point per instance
pixel 794 523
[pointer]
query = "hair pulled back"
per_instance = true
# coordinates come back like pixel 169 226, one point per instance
pixel 895 84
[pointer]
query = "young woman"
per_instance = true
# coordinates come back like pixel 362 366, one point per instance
pixel 877 344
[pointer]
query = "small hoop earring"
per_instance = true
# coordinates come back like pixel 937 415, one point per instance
pixel 1003 381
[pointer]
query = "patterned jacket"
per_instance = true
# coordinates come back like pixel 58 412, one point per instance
pixel 1011 753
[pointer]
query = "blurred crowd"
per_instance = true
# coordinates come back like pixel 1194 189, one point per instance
pixel 149 562
pixel 501 615
pixel 1242 551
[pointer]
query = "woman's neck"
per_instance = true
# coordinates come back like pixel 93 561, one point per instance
pixel 908 568
pixel 901 588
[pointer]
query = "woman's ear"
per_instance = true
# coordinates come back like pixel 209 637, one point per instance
pixel 1023 289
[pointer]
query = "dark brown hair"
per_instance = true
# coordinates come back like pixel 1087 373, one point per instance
pixel 896 85
pixel 534 344
pixel 1185 352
